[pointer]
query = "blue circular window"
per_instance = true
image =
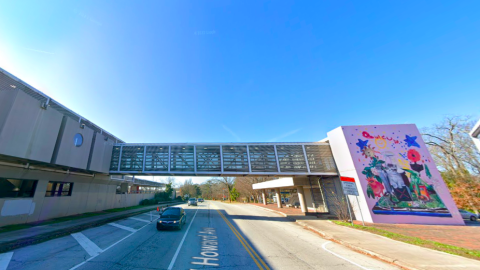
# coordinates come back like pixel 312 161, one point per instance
pixel 78 140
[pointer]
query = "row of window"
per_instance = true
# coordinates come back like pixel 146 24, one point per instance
pixel 17 188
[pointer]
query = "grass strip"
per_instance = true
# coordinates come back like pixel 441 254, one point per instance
pixel 464 252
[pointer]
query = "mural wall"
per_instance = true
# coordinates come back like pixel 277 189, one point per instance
pixel 399 179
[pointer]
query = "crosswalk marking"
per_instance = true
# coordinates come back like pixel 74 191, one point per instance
pixel 5 260
pixel 122 227
pixel 91 248
pixel 139 219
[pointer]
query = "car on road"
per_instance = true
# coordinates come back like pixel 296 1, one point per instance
pixel 192 201
pixel 468 215
pixel 172 218
pixel 200 200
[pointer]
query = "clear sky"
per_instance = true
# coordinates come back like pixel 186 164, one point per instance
pixel 247 71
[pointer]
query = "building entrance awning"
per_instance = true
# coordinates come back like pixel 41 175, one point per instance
pixel 287 182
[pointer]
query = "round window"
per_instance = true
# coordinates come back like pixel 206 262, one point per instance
pixel 78 140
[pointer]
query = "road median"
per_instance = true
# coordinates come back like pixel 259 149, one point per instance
pixel 24 237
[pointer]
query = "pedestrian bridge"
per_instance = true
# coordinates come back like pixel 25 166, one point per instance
pixel 223 159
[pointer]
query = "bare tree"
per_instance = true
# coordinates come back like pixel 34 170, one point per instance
pixel 457 157
pixel 244 186
pixel 171 180
pixel 227 182
pixel 188 188
pixel 451 146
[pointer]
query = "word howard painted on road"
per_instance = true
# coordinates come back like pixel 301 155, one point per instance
pixel 209 250
pixel 349 186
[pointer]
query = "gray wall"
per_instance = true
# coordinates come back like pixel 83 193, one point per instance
pixel 69 154
pixel 27 131
pixel 101 155
pixel 88 195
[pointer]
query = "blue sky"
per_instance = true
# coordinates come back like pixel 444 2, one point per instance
pixel 250 71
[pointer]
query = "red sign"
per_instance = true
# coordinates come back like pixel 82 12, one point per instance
pixel 347 179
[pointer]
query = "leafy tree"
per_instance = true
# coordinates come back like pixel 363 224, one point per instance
pixel 168 189
pixel 234 194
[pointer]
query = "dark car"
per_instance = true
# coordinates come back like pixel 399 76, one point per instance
pixel 192 201
pixel 172 217
pixel 200 200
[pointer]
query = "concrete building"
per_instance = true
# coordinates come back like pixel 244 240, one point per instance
pixel 54 162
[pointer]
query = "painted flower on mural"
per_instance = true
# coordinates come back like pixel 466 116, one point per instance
pixel 375 188
pixel 368 152
pixel 413 155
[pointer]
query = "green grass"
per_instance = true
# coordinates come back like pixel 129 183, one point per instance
pixel 114 210
pixel 469 253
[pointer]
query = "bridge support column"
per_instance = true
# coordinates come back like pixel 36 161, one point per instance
pixel 279 197
pixel 301 198
pixel 264 197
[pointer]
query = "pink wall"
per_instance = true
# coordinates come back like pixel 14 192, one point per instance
pixel 399 179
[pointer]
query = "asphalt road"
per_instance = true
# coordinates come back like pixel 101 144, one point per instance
pixel 216 236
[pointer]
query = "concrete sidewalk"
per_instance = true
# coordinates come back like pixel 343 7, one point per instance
pixel 399 253
pixel 24 237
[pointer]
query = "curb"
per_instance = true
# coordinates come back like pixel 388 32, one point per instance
pixel 27 241
pixel 358 249
pixel 270 210
pixel 346 244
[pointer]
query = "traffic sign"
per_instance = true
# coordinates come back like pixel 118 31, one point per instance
pixel 349 186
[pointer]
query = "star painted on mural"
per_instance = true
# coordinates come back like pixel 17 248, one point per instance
pixel 362 144
pixel 411 141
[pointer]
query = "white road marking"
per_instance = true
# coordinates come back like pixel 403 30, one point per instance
pixel 114 244
pixel 181 243
pixel 5 259
pixel 91 248
pixel 343 258
pixel 122 227
pixel 139 219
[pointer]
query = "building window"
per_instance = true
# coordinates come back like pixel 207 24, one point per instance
pixel 16 188
pixel 57 189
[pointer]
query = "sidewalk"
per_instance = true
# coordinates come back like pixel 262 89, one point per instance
pixel 402 254
pixel 24 237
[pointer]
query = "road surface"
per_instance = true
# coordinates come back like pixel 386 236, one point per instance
pixel 216 236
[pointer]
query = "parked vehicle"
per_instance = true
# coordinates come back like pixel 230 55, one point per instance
pixel 192 201
pixel 172 217
pixel 468 215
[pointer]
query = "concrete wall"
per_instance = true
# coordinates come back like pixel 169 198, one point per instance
pixel 397 179
pixel 89 194
pixel 101 155
pixel 28 131
pixel 69 154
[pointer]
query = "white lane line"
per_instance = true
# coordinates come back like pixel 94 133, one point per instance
pixel 181 243
pixel 114 244
pixel 139 219
pixel 343 258
pixel 5 259
pixel 91 248
pixel 122 227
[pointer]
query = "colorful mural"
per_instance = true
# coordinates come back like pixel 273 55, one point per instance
pixel 397 173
